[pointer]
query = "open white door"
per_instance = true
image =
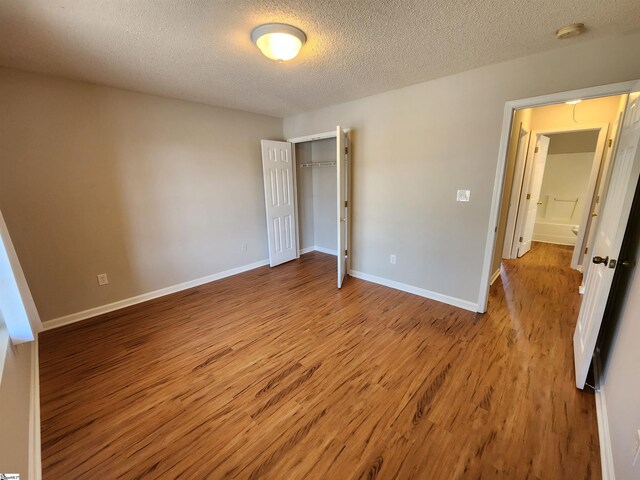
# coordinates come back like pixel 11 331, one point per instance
pixel 277 165
pixel 341 164
pixel 584 259
pixel 609 234
pixel 532 199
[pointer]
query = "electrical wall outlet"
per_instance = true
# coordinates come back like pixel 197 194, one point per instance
pixel 103 279
pixel 392 259
pixel 463 196
pixel 636 453
pixel 245 247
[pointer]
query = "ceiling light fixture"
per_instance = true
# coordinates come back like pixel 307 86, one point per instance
pixel 278 41
pixel 573 102
pixel 569 31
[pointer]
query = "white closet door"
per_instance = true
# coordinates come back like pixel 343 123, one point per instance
pixel 533 194
pixel 609 234
pixel 341 158
pixel 277 165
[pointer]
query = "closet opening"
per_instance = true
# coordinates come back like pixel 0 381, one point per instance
pixel 306 184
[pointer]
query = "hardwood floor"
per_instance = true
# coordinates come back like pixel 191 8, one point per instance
pixel 275 373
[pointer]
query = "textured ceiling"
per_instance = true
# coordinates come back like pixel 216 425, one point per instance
pixel 200 50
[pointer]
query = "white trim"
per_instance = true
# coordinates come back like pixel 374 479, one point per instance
pixel 315 136
pixel 316 248
pixel 328 251
pixel 35 446
pixel 516 186
pixel 604 435
pixel 555 239
pixel 495 276
pixel 509 107
pixel 110 307
pixel 18 309
pixel 438 297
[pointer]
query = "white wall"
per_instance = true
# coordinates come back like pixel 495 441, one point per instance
pixel 413 147
pixel 152 191
pixel 566 177
pixel 15 393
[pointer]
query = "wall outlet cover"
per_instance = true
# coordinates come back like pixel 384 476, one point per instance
pixel 463 195
pixel 103 279
pixel 392 259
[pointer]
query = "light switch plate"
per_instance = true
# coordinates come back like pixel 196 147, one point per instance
pixel 103 279
pixel 463 195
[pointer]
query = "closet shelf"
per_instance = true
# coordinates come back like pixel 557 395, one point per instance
pixel 318 164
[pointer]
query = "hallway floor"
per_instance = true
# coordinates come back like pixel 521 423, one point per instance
pixel 274 373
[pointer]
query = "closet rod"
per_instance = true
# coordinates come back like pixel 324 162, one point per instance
pixel 318 164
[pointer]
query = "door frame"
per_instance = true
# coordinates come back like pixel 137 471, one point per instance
pixel 523 176
pixel 311 138
pixel 509 108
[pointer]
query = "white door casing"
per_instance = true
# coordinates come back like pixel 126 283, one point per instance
pixel 532 194
pixel 608 237
pixel 341 168
pixel 601 191
pixel 277 165
pixel 590 196
pixel 514 200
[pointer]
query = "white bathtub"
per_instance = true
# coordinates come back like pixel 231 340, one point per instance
pixel 554 233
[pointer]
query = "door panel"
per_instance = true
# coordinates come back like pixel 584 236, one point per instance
pixel 341 158
pixel 533 193
pixel 277 167
pixel 608 238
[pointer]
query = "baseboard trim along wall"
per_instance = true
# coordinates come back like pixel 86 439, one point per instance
pixel 438 297
pixel 604 435
pixel 110 307
pixel 494 277
pixel 127 302
pixel 315 248
pixel 35 447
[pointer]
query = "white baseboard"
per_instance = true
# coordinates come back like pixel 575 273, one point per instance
pixel 326 250
pixel 316 248
pixel 456 302
pixel 555 239
pixel 35 446
pixel 110 307
pixel 494 277
pixel 604 435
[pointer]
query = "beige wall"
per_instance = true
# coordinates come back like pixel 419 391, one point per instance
pixel 151 191
pixel 587 112
pixel 414 147
pixel 15 403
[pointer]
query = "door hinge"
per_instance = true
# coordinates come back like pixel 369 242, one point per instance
pixel 528 196
pixel 521 239
pixel 536 150
pixel 585 250
pixel 346 252
pixel 346 203
pixel 346 150
pixel 610 142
